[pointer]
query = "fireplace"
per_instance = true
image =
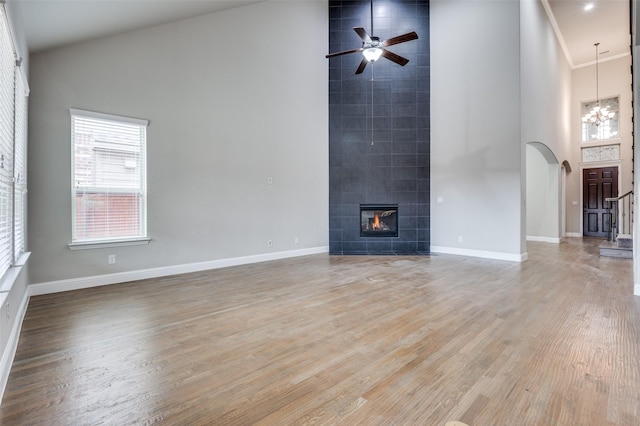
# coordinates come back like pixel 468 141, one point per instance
pixel 378 220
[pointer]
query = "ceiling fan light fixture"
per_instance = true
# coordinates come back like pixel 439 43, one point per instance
pixel 372 54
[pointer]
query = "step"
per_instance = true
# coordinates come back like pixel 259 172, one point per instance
pixel 625 241
pixel 611 249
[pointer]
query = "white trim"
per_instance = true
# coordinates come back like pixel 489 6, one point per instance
pixel 9 351
pixel 9 277
pixel 553 240
pixel 481 253
pixel 606 59
pixel 107 244
pixel 636 290
pixel 14 41
pixel 599 143
pixel 108 117
pixel 121 277
pixel 573 235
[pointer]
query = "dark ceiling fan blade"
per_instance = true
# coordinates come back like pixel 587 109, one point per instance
pixel 344 52
pixel 401 39
pixel 362 65
pixel 363 34
pixel 395 58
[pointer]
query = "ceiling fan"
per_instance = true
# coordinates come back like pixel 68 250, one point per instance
pixel 372 47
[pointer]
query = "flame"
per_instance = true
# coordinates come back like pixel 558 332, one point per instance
pixel 376 221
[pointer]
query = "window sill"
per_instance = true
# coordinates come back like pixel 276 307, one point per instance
pixel 106 244
pixel 602 142
pixel 6 282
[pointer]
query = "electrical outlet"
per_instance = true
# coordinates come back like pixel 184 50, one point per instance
pixel 296 240
pixel 8 310
pixel 112 259
pixel 460 239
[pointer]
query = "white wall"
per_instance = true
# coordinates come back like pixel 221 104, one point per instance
pixel 475 128
pixel 233 98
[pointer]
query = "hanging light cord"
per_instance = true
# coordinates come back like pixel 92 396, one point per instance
pixel 597 78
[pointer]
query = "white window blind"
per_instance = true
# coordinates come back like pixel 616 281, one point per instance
pixel 20 166
pixel 109 177
pixel 7 92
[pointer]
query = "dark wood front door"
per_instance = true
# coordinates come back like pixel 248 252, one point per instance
pixel 598 184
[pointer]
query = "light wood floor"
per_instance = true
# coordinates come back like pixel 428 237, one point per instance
pixel 341 340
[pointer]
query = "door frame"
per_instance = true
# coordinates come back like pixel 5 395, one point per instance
pixel 596 165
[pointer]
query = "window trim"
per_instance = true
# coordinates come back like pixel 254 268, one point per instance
pixel 83 245
pixel 107 242
pixel 14 141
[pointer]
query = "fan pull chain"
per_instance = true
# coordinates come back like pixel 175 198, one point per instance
pixel 372 143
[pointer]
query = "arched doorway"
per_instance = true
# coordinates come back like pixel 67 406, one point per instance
pixel 544 194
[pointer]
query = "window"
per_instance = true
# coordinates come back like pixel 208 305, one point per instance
pixel 13 106
pixel 20 166
pixel 109 177
pixel 608 129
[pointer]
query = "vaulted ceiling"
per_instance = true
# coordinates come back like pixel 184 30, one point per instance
pixel 53 23
pixel 606 23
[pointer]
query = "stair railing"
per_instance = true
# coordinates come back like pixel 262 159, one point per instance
pixel 621 211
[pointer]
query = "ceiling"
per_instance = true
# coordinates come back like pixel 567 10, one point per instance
pixel 53 23
pixel 607 23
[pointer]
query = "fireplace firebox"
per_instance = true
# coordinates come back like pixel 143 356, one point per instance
pixel 378 220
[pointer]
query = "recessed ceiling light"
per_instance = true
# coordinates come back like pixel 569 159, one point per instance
pixel 588 7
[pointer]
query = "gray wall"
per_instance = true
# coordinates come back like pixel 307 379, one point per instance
pixel 507 85
pixel 546 119
pixel 615 80
pixel 233 99
pixel 542 196
pixel 476 151
pixel 636 149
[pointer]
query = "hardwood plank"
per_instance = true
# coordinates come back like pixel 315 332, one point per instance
pixel 341 340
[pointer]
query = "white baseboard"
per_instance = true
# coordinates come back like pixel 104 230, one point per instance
pixel 573 235
pixel 636 290
pixel 12 344
pixel 121 277
pixel 553 240
pixel 481 253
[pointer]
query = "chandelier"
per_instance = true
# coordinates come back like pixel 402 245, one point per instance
pixel 598 114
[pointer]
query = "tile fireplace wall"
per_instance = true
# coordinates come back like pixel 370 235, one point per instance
pixel 379 127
